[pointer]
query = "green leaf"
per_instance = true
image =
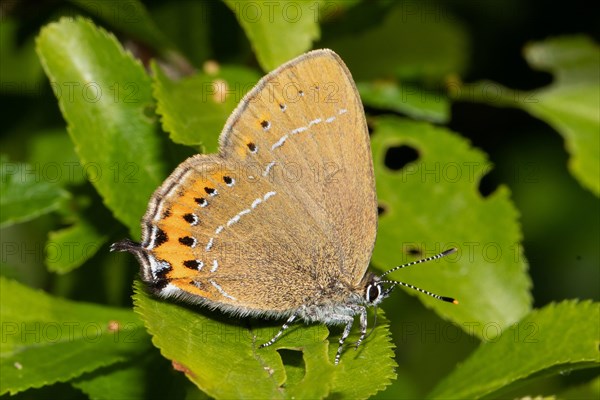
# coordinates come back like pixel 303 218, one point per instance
pixel 114 382
pixel 143 377
pixel 406 99
pixel 404 45
pixel 433 204
pixel 278 31
pixel 70 247
pixel 538 397
pixel 47 340
pixel 571 103
pixel 573 112
pixel 53 154
pixel 589 390
pixel 571 59
pixel 105 97
pixel 221 355
pixel 25 193
pixel 194 110
pixel 557 338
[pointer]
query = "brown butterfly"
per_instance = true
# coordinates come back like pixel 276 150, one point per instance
pixel 282 222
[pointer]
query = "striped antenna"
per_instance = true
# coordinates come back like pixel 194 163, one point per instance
pixel 395 283
pixel 408 285
pixel 442 254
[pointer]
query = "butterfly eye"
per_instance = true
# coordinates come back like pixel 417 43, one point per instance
pixel 373 292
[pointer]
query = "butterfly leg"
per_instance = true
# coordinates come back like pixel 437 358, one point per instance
pixel 283 328
pixel 363 325
pixel 349 322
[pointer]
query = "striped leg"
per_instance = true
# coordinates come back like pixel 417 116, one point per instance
pixel 349 322
pixel 363 326
pixel 283 328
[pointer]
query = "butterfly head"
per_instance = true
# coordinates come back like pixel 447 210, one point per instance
pixel 375 292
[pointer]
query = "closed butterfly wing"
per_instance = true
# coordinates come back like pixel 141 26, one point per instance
pixel 284 213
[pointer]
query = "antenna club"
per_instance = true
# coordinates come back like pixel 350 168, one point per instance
pixel 449 300
pixel 449 251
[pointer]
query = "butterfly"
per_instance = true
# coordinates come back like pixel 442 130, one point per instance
pixel 281 223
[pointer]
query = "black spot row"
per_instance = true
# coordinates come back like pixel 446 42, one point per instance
pixel 187 241
pixel 161 237
pixel 162 274
pixel 158 285
pixel 161 277
pixel 190 218
pixel 191 264
pixel 201 201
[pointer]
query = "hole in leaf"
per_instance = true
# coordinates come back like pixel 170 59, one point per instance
pixel 381 209
pixel 294 365
pixel 488 184
pixel 397 157
pixel 414 251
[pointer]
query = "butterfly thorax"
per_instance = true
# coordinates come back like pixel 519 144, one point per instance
pixel 333 305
